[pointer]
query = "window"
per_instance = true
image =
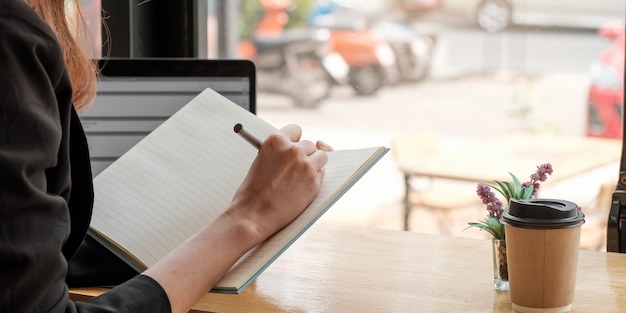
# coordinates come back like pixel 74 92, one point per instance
pixel 454 72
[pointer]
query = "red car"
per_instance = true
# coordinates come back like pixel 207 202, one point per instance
pixel 606 94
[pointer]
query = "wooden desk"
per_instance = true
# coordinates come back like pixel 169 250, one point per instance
pixel 518 153
pixel 348 269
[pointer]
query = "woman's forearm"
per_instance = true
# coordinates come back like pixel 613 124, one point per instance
pixel 190 271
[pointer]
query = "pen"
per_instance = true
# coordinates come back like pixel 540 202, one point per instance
pixel 247 136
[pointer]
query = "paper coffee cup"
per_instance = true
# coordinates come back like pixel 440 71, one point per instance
pixel 542 239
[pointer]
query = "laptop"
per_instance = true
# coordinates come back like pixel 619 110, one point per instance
pixel 137 95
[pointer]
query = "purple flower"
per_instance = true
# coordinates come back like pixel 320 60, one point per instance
pixel 542 172
pixel 493 221
pixel 538 177
pixel 494 205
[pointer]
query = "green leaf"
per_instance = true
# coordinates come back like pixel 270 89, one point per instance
pixel 496 227
pixel 518 186
pixel 513 193
pixel 503 190
pixel 527 192
pixel 490 225
pixel 496 188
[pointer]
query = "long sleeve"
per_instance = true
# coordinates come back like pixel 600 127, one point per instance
pixel 45 180
pixel 140 294
pixel 34 218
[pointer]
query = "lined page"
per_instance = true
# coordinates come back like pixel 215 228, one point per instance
pixel 185 173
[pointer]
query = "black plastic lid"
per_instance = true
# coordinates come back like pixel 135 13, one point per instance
pixel 543 214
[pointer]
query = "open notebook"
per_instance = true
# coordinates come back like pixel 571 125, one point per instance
pixel 185 172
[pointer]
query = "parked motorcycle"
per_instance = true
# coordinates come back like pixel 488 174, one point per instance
pixel 413 50
pixel 296 62
pixel 370 58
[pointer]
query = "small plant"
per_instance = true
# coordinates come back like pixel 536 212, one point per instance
pixel 510 190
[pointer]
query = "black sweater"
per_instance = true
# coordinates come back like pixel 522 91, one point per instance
pixel 45 204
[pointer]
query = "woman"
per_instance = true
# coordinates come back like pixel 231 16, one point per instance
pixel 46 189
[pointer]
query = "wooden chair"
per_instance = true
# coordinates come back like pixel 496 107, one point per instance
pixel 439 198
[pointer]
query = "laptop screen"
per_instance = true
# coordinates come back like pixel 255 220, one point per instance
pixel 137 95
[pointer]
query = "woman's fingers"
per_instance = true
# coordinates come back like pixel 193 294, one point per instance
pixel 292 131
pixel 319 159
pixel 324 146
pixel 316 151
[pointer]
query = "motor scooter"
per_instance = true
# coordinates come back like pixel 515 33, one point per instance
pixel 413 50
pixel 295 62
pixel 371 59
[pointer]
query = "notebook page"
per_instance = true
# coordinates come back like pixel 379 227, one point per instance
pixel 344 167
pixel 176 179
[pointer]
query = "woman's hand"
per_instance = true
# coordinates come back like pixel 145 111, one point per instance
pixel 283 179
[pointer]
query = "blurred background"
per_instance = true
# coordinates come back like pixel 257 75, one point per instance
pixel 446 74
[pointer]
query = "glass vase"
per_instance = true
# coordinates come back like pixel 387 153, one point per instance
pixel 500 266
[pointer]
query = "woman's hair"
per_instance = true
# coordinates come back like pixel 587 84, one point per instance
pixel 82 69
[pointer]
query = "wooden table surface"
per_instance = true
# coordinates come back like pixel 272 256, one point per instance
pixel 518 153
pixel 334 268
